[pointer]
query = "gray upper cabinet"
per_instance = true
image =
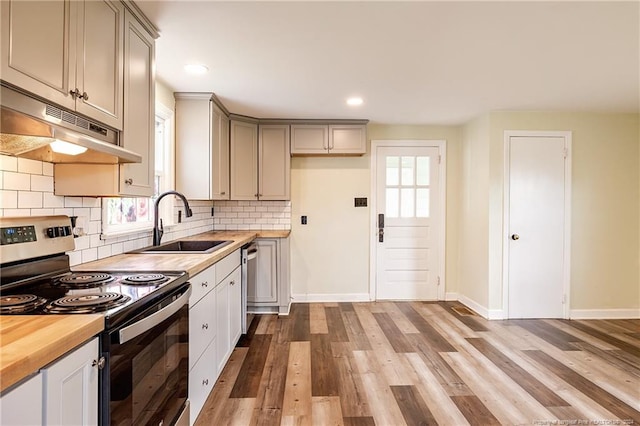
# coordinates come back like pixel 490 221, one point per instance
pixel 244 160
pixel 202 147
pixel 69 52
pixel 328 139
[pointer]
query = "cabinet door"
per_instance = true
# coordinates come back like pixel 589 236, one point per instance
pixel 309 139
pixel 202 327
pixel 235 307
pixel 220 153
pixel 274 166
pixel 222 324
pixel 38 46
pixel 71 388
pixel 193 145
pixel 244 160
pixel 266 290
pixel 201 380
pixel 347 139
pixel 139 109
pixel 99 61
pixel 22 405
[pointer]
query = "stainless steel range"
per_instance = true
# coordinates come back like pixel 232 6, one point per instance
pixel 145 342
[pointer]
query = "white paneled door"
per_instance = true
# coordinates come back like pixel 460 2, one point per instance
pixel 537 227
pixel 406 233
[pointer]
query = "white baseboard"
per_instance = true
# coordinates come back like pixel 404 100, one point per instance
pixel 604 313
pixel 323 298
pixel 451 297
pixel 473 305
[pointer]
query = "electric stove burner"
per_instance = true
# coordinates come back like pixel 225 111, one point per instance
pixel 86 280
pixel 86 304
pixel 20 303
pixel 145 279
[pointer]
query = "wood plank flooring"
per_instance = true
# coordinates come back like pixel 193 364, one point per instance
pixel 427 363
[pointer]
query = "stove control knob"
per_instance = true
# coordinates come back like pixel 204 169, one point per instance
pixel 51 232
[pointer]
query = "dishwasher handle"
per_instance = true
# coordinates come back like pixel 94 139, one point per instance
pixel 134 330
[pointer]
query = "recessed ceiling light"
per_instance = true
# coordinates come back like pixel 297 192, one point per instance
pixel 196 69
pixel 355 101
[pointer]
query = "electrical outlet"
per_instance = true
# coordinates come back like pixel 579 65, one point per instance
pixel 303 220
pixel 360 202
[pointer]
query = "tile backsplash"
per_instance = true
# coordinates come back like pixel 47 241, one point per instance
pixel 26 189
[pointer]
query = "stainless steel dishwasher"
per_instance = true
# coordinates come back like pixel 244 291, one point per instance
pixel 249 262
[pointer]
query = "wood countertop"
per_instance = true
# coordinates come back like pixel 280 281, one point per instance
pixel 29 342
pixel 193 263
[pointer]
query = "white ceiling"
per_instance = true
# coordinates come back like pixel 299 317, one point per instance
pixel 411 62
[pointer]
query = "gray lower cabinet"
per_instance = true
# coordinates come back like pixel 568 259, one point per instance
pixel 272 290
pixel 215 310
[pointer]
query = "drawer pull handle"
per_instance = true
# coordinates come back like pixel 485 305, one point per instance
pixel 205 382
pixel 128 181
pixel 205 284
pixel 205 326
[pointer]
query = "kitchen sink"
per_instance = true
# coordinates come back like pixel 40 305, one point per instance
pixel 186 246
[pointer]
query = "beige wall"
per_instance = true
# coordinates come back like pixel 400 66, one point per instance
pixel 473 244
pixel 330 255
pixel 605 243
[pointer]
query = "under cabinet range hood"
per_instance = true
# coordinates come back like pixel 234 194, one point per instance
pixel 29 125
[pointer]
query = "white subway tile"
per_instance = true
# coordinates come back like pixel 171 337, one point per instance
pixel 116 248
pixel 41 212
pixel 73 201
pixel 26 165
pixel 17 212
pixel 96 214
pixel 75 258
pixel 54 201
pixel 83 242
pixel 95 241
pixel 89 255
pixel 249 209
pixel 17 181
pixel 8 199
pixel 42 183
pixel 90 202
pixel 104 251
pixel 68 212
pixel 29 200
pixel 47 169
pixel 9 164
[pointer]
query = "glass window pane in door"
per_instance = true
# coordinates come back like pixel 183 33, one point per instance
pixel 392 202
pixel 407 202
pixel 422 170
pixel 393 170
pixel 422 202
pixel 408 166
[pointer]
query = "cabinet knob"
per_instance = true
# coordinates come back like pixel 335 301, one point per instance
pixel 233 282
pixel 100 363
pixel 223 193
pixel 205 382
pixel 128 181
pixel 75 93
pixel 84 96
pixel 205 326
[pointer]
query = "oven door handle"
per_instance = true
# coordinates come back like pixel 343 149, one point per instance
pixel 134 330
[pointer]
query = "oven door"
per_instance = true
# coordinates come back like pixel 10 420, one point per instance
pixel 145 380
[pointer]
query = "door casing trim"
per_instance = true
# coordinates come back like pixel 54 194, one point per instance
pixel 441 144
pixel 566 274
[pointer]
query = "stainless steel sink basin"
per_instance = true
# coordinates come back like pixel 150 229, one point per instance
pixel 186 246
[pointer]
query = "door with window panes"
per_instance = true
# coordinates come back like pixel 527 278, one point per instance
pixel 406 241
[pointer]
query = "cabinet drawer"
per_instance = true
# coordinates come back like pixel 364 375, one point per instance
pixel 227 266
pixel 201 380
pixel 201 284
pixel 202 326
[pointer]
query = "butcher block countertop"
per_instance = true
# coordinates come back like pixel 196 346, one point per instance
pixel 193 263
pixel 29 342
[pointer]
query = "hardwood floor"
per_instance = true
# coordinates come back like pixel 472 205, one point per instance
pixel 421 363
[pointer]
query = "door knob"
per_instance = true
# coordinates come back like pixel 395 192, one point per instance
pixel 515 237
